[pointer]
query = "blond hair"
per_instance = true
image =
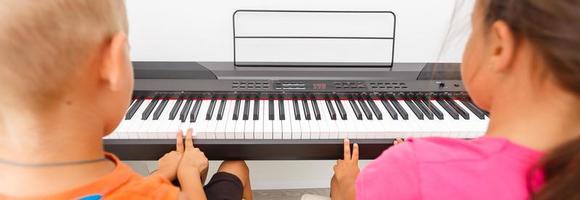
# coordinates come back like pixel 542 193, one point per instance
pixel 44 42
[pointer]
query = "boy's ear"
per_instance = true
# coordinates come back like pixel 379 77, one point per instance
pixel 115 62
pixel 502 46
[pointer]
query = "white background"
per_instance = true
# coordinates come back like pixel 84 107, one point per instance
pixel 188 30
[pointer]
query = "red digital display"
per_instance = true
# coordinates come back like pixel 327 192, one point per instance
pixel 319 86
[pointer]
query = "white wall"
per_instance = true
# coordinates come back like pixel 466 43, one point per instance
pixel 187 30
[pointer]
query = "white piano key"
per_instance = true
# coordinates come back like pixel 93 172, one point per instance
pixel 160 126
pixel 287 123
pixel 136 122
pixel 434 127
pixel 327 126
pixel 239 126
pixel 249 124
pixel 277 123
pixel 390 128
pixel 259 124
pixel 230 132
pixel 201 123
pixel 220 130
pixel 341 124
pixel 174 125
pixel 268 129
pixel 313 123
pixel 352 124
pixel 212 123
pixel 304 125
pixel 448 122
pixel 475 127
pixel 414 123
pixel 296 128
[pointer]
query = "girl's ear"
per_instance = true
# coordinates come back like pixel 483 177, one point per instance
pixel 115 62
pixel 502 46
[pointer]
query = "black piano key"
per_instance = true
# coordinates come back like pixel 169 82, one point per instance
pixel 341 109
pixel 175 109
pixel 448 108
pixel 257 109
pixel 133 109
pixel 133 100
pixel 375 109
pixel 220 114
pixel 330 108
pixel 185 110
pixel 366 110
pixel 424 109
pixel 392 112
pixel 433 109
pixel 281 111
pixel 355 109
pixel 473 109
pixel 399 108
pixel 160 109
pixel 195 110
pixel 246 115
pixel 414 108
pixel 296 109
pixel 237 110
pixel 457 108
pixel 315 109
pixel 306 108
pixel 271 108
pixel 210 110
pixel 149 109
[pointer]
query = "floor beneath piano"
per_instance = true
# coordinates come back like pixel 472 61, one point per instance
pixel 298 177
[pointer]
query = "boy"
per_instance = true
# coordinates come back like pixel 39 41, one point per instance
pixel 66 81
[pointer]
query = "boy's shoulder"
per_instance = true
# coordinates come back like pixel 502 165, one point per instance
pixel 123 183
pixel 131 185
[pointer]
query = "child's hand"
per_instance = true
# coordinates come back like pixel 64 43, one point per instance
pixel 168 165
pixel 345 173
pixel 399 141
pixel 192 158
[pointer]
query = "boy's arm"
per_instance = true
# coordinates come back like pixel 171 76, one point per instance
pixel 193 163
pixel 191 186
pixel 168 165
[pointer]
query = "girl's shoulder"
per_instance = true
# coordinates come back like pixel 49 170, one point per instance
pixel 438 149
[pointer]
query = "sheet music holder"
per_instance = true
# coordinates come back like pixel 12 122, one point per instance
pixel 292 38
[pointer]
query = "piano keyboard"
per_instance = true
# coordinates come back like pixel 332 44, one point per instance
pixel 288 119
pixel 247 118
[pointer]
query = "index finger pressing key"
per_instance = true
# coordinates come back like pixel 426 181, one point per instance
pixel 346 149
pixel 189 139
pixel 179 144
pixel 355 152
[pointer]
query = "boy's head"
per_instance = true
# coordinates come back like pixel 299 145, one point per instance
pixel 56 53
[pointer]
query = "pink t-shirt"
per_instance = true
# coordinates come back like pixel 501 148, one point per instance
pixel 441 168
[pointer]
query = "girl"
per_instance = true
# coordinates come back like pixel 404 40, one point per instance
pixel 522 64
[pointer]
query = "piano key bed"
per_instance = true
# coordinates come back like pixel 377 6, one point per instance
pixel 290 126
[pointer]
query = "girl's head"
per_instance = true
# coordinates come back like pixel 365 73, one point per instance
pixel 529 48
pixel 523 45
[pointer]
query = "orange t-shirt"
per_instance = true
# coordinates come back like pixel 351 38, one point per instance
pixel 122 183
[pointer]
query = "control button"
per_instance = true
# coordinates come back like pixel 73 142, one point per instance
pixel 440 84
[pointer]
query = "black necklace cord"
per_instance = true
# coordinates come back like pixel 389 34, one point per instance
pixel 55 164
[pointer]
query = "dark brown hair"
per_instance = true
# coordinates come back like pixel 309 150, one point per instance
pixel 553 27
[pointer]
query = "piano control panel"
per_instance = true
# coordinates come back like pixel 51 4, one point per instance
pixel 335 85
